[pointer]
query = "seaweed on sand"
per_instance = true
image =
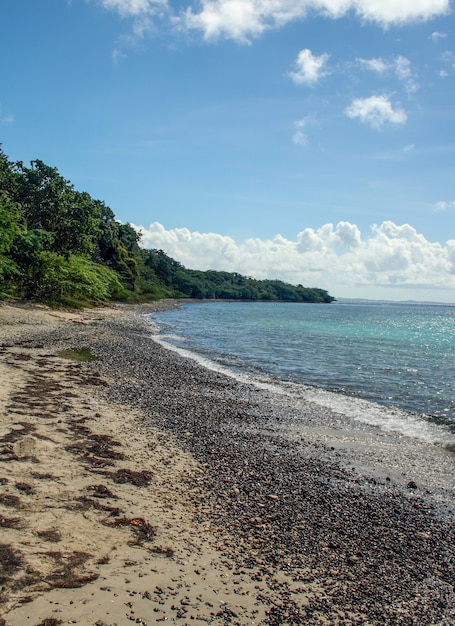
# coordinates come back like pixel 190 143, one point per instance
pixel 52 534
pixel 84 503
pixel 66 575
pixel 43 476
pixel 101 491
pixel 9 500
pixel 11 561
pixel 166 550
pixel 140 478
pixel 96 449
pixel 144 530
pixel 24 487
pixel 15 434
pixel 10 522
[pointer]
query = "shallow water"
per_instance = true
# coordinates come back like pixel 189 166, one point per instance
pixel 385 364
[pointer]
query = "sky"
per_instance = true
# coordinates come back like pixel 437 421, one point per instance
pixel 307 140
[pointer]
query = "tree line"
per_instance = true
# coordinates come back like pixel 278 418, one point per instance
pixel 59 245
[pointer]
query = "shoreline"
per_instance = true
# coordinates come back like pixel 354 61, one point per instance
pixel 352 429
pixel 145 467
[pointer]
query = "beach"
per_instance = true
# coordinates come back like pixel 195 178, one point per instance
pixel 138 486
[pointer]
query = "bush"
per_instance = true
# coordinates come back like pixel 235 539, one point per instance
pixel 83 278
pixel 67 281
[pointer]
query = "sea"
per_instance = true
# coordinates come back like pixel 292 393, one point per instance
pixel 386 364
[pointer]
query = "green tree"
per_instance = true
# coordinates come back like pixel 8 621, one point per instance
pixel 10 228
pixel 8 176
pixel 50 203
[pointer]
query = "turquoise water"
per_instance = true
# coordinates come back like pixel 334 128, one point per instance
pixel 400 356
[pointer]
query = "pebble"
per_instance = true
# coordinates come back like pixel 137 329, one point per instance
pixel 316 517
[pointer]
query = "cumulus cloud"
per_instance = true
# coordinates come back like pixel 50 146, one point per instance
pixel 448 58
pixel 243 20
pixel 404 72
pixel 300 137
pixel 338 258
pixel 118 55
pixel 443 205
pixel 134 8
pixel 436 36
pixel 309 68
pixel 142 13
pixel 375 65
pixel 376 111
pixel 399 65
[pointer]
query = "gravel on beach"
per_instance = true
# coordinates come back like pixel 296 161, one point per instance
pixel 335 545
pixel 369 552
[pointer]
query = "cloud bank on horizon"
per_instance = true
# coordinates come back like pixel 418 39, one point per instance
pixel 393 261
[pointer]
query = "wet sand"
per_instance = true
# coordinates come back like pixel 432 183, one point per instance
pixel 142 487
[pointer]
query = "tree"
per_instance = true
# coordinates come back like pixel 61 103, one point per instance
pixel 57 243
pixel 10 227
pixel 50 203
pixel 8 176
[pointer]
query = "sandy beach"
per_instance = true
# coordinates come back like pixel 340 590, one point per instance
pixel 137 486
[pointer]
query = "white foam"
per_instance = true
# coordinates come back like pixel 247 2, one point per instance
pixel 392 420
pixel 388 419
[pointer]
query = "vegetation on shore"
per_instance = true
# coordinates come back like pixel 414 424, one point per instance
pixel 59 245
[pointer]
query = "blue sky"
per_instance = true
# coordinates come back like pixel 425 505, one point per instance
pixel 308 140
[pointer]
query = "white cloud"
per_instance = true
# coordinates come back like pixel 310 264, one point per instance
pixel 375 111
pixel 118 55
pixel 243 20
pixel 448 58
pixel 404 73
pixel 399 65
pixel 134 8
pixel 6 118
pixel 375 65
pixel 300 137
pixel 309 68
pixel 142 13
pixel 240 20
pixel 336 258
pixel 436 36
pixel 443 205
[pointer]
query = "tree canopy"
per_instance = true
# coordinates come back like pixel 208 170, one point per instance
pixel 60 245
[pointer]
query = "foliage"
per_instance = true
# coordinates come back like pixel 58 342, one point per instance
pixel 117 246
pixel 91 281
pixel 226 285
pixel 50 203
pixel 10 227
pixel 61 245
